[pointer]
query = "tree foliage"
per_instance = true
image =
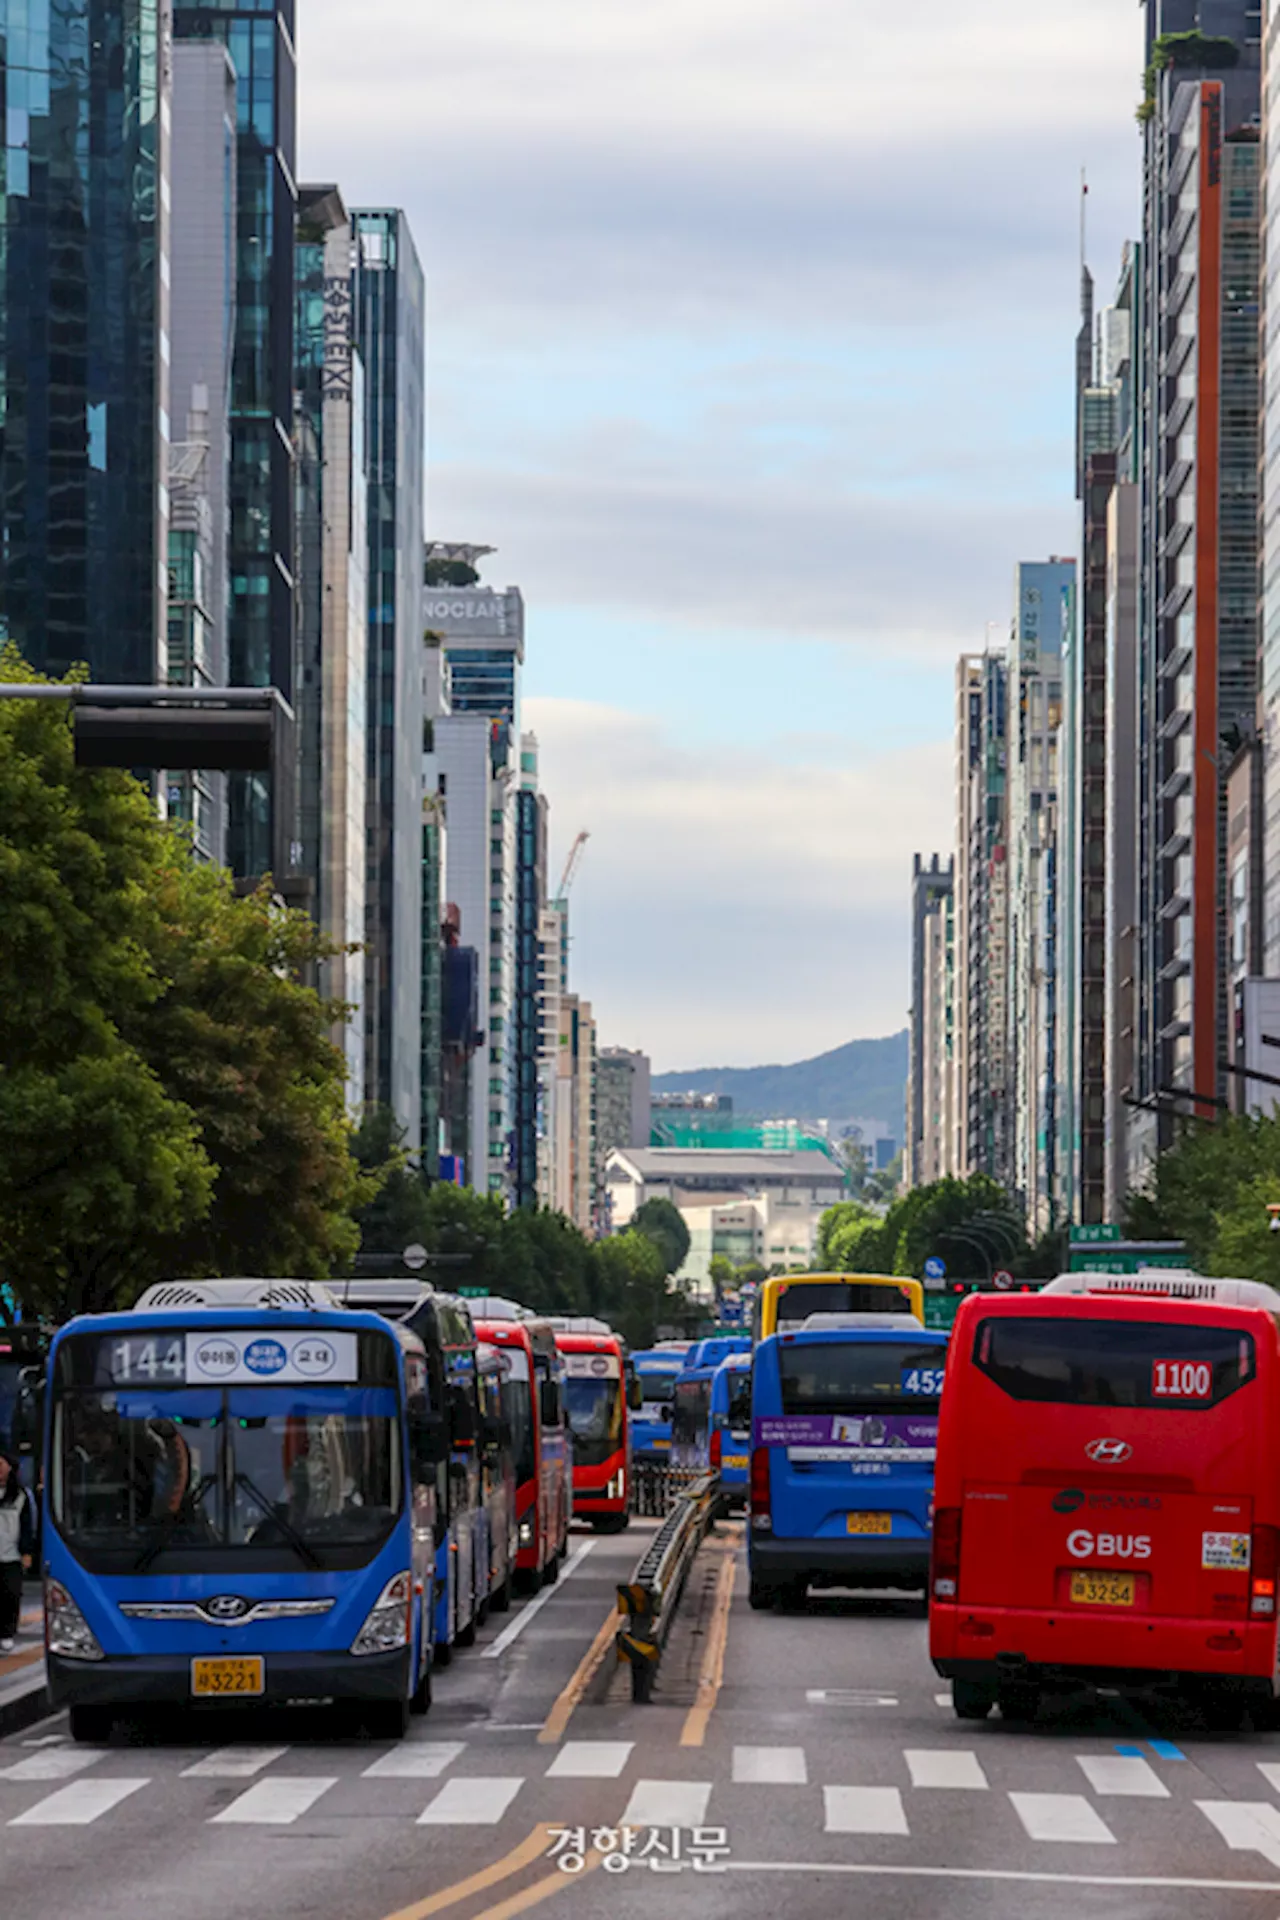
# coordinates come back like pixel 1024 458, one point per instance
pixel 969 1224
pixel 662 1222
pixel 1212 1189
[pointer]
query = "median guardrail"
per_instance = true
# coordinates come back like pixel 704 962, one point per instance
pixel 656 1486
pixel 652 1595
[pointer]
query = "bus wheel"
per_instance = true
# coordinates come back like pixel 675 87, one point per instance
pixel 528 1580
pixel 442 1653
pixel 466 1636
pixel 421 1701
pixel 91 1726
pixel 760 1596
pixel 792 1595
pixel 1020 1702
pixel 500 1598
pixel 1222 1712
pixel 612 1522
pixel 971 1700
pixel 551 1572
pixel 387 1719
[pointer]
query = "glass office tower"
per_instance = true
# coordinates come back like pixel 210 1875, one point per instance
pixel 84 334
pixel 259 35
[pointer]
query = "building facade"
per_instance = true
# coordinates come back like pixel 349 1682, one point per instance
pixel 623 1099
pixel 930 1078
pixel 389 304
pixel 984 1095
pixel 84 307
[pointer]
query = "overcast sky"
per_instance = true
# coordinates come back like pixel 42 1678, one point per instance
pixel 750 349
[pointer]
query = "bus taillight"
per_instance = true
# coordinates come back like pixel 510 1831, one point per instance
pixel 760 1513
pixel 717 1447
pixel 945 1579
pixel 1264 1561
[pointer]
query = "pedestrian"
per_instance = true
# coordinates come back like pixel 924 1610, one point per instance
pixel 17 1544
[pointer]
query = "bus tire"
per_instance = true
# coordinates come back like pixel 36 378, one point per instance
pixel 611 1522
pixel 792 1595
pixel 1222 1712
pixel 91 1726
pixel 760 1596
pixel 1018 1702
pixel 528 1580
pixel 442 1653
pixel 500 1598
pixel 971 1700
pixel 421 1701
pixel 551 1572
pixel 466 1636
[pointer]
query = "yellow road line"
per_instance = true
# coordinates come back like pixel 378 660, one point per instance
pixel 558 1719
pixel 541 1890
pixel 531 1848
pixel 694 1731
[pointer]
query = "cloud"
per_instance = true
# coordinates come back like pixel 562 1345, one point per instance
pixel 732 907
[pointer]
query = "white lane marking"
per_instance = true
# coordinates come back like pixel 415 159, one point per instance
pixel 78 1805
pixel 667 1803
pixel 943 1700
pixel 233 1763
pixel 415 1760
pixel 273 1803
pixel 864 1810
pixel 1270 1773
pixel 478 1802
pixel 1001 1875
pixel 590 1760
pixel 770 1766
pixel 946 1767
pixel 1122 1773
pixel 1247 1826
pixel 1061 1816
pixel 55 1763
pixel 525 1615
pixel 848 1697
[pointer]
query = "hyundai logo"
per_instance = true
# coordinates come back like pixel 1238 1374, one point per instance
pixel 226 1606
pixel 1070 1500
pixel 1108 1453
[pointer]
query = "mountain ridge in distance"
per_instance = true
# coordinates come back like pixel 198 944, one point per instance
pixel 864 1079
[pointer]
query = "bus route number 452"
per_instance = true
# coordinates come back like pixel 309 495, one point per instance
pixel 926 1381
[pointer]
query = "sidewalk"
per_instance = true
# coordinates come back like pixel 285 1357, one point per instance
pixel 22 1689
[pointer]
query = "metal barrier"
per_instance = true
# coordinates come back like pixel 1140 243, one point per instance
pixel 653 1594
pixel 656 1486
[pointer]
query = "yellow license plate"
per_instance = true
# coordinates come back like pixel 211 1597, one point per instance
pixel 221 1677
pixel 869 1522
pixel 661 1446
pixel 1103 1589
pixel 738 1461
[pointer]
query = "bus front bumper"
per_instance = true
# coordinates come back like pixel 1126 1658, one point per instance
pixel 841 1563
pixel 165 1680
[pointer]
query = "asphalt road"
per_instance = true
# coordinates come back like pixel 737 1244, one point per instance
pixel 809 1764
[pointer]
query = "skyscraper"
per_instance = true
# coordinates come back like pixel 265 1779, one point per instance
pixel 84 379
pixel 528 1111
pixel 260 622
pixel 390 326
pixel 930 1082
pixel 984 1090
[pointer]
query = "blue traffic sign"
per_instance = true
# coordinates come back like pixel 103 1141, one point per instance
pixel 935 1269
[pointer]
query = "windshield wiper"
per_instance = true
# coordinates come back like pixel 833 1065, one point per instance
pixel 169 1526
pixel 305 1553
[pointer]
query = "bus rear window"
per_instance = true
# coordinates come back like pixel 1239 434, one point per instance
pixel 796 1303
pixel 851 1376
pixel 1114 1363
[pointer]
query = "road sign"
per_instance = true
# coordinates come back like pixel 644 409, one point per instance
pixel 414 1257
pixel 1003 1280
pixel 1095 1235
pixel 935 1269
pixel 474 1293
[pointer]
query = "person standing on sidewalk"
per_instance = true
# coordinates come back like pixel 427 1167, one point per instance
pixel 17 1544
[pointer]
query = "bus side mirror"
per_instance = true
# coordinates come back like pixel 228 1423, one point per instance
pixel 462 1419
pixel 495 1433
pixel 428 1441
pixel 635 1394
pixel 549 1404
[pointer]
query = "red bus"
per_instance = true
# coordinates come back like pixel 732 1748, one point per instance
pixel 1107 1500
pixel 596 1397
pixel 533 1401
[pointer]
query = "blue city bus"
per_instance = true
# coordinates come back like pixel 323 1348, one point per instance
pixel 657 1370
pixel 240 1505
pixel 445 1327
pixel 844 1433
pixel 730 1427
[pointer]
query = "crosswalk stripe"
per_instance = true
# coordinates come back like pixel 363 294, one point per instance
pixel 864 1810
pixel 233 1763
pixel 770 1766
pixel 667 1803
pixel 1122 1774
pixel 1061 1816
pixel 590 1760
pixel 415 1760
pixel 1247 1826
pixel 273 1803
pixel 946 1767
pixel 55 1763
pixel 79 1804
pixel 1270 1772
pixel 477 1802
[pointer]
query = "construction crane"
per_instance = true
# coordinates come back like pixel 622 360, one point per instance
pixel 571 865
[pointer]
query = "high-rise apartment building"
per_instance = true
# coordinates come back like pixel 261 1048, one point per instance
pixel 579 1180
pixel 1269 514
pixel 931 1079
pixel 261 560
pixel 84 368
pixel 332 625
pixel 1198 424
pixel 623 1100
pixel 528 1109
pixel 984 1085
pixel 390 333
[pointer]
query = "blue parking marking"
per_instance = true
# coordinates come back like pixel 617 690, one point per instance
pixel 1130 1753
pixel 1165 1750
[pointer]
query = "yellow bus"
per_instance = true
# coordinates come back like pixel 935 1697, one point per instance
pixel 789 1302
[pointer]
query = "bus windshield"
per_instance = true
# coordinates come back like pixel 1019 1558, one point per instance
pixel 303 1470
pixel 595 1416
pixel 517 1404
pixel 856 1376
pixel 796 1302
pixel 657 1388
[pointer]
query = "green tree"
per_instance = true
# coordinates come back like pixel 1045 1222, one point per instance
pixel 397 1215
pixel 1212 1189
pixel 664 1224
pixel 837 1229
pixel 631 1286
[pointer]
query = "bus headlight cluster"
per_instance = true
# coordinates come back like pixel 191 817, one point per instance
pixel 526 1533
pixel 388 1624
pixel 66 1630
pixel 614 1489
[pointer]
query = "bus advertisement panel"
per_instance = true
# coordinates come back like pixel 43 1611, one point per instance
pixel 1108 1509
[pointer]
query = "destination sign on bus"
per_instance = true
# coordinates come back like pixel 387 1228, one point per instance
pixel 226 1358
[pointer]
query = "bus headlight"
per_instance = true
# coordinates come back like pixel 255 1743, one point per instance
pixel 614 1489
pixel 66 1631
pixel 526 1533
pixel 389 1620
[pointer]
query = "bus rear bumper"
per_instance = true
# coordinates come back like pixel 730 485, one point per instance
pixel 990 1645
pixel 842 1563
pixel 165 1680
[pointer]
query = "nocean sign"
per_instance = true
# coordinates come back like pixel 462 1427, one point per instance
pixel 475 613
